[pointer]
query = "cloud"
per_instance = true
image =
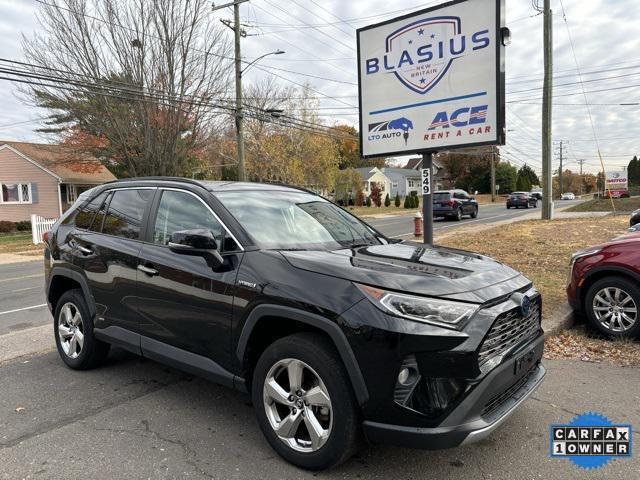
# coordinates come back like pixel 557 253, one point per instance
pixel 603 33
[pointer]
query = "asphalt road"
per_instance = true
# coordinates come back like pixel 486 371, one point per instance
pixel 22 303
pixel 402 225
pixel 137 419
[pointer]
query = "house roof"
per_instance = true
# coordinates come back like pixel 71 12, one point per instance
pixel 366 172
pixel 64 162
pixel 416 162
pixel 400 172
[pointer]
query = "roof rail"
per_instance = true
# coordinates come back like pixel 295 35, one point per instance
pixel 157 178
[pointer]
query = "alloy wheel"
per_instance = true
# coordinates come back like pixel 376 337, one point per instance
pixel 298 405
pixel 70 330
pixel 615 309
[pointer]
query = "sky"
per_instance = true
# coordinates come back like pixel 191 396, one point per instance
pixel 603 32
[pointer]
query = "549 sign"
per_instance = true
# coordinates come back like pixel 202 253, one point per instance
pixel 426 181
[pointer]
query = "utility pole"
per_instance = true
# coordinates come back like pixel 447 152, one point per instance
pixel 560 172
pixel 238 33
pixel 581 162
pixel 547 183
pixel 238 63
pixel 493 174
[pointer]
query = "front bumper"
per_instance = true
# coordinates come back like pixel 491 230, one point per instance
pixel 469 422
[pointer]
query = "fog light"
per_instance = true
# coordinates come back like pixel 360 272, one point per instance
pixel 403 376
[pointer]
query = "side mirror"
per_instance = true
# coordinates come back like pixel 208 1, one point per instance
pixel 198 242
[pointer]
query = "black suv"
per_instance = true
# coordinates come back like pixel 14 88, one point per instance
pixel 454 204
pixel 331 327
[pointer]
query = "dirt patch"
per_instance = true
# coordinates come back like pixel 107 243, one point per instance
pixel 541 250
pixel 583 343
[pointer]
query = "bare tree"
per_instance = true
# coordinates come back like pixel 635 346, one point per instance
pixel 142 80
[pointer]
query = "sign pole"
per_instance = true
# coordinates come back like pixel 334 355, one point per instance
pixel 427 195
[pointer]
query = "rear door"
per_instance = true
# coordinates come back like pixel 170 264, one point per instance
pixel 183 302
pixel 107 251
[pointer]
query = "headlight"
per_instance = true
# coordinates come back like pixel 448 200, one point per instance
pixel 578 255
pixel 443 313
pixel 584 253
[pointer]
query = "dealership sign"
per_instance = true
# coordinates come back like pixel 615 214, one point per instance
pixel 432 80
pixel 617 183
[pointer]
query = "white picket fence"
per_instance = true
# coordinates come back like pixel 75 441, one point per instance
pixel 39 225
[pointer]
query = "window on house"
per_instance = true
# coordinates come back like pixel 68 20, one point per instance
pixel 412 183
pixel 72 193
pixel 16 193
pixel 394 185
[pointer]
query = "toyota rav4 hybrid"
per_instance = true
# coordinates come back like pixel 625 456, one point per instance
pixel 334 330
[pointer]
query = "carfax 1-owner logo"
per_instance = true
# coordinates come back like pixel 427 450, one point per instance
pixel 590 441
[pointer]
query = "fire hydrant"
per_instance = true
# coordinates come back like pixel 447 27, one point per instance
pixel 417 225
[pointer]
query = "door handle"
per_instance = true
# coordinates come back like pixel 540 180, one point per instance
pixel 148 270
pixel 84 250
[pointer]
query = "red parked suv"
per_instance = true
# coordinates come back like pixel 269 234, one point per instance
pixel 604 284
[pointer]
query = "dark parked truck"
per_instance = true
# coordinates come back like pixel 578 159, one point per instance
pixel 332 328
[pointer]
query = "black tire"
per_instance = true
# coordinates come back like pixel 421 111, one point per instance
pixel 508 207
pixel 319 354
pixel 459 214
pixel 627 286
pixel 93 351
pixel 474 214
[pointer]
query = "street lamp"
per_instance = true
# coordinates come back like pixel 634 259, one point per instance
pixel 239 118
pixel 256 60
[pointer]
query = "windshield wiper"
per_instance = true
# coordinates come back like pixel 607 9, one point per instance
pixel 361 244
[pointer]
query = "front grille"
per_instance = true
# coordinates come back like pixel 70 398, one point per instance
pixel 496 401
pixel 510 329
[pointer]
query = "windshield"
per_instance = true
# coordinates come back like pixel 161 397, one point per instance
pixel 295 220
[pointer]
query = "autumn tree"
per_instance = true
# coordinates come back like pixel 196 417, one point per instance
pixel 347 184
pixel 135 81
pixel 376 194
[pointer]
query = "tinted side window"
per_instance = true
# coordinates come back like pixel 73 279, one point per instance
pixel 182 211
pixel 124 216
pixel 85 213
pixel 96 226
pixel 459 195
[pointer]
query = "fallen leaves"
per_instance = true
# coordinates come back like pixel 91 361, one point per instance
pixel 582 344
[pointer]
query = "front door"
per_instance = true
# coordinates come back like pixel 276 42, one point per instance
pixel 182 301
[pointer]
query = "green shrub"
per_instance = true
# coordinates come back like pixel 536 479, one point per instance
pixel 6 226
pixel 387 201
pixel 368 201
pixel 407 202
pixel 397 200
pixel 23 226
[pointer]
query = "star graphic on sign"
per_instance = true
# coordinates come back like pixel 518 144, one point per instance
pixel 421 31
pixel 433 35
pixel 422 80
pixel 410 42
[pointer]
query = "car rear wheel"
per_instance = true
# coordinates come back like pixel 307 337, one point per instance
pixel 612 306
pixel 304 402
pixel 458 216
pixel 73 329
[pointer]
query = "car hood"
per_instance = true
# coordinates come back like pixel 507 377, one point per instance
pixel 415 268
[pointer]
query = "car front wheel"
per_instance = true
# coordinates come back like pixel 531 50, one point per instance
pixel 474 214
pixel 612 305
pixel 304 402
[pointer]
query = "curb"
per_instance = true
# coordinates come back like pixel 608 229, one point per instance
pixel 29 341
pixel 562 319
